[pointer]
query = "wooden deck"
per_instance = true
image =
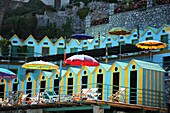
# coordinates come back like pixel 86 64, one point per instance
pixel 84 105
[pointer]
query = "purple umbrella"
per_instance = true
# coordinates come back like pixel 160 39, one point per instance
pixel 81 36
pixel 5 73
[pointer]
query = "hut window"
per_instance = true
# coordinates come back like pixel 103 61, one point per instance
pixel 96 41
pixel 56 76
pixel 85 43
pixel 133 67
pixel 116 68
pixel 149 33
pixel 61 44
pixel 70 74
pixel 43 77
pixel 30 42
pixel 108 39
pixel 121 37
pixel 100 70
pixel 2 80
pixel 84 72
pixel 163 31
pixel 45 43
pixel 29 79
pixel 135 35
pixel 15 80
pixel 15 41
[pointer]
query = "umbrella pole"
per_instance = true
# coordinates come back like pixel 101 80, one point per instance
pixel 150 55
pixel 120 48
pixel 106 55
pixel 39 88
pixel 60 74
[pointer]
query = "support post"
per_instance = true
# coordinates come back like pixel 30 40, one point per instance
pixel 106 54
pixel 96 109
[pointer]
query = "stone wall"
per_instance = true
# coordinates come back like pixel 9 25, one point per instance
pixel 152 16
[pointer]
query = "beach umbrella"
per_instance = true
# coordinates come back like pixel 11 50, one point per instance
pixel 81 60
pixel 167 29
pixel 82 36
pixel 39 65
pixel 5 73
pixel 119 31
pixel 151 45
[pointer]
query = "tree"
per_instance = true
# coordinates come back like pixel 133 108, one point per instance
pixel 67 30
pixel 5 44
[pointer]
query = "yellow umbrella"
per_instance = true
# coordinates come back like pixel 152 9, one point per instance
pixel 119 31
pixel 41 65
pixel 151 45
pixel 167 29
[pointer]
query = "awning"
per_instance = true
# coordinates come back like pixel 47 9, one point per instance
pixel 128 48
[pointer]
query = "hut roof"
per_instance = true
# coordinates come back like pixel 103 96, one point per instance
pixel 149 65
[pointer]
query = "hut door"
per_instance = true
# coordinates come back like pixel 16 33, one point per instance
pixel 42 88
pixel 2 91
pixel 100 84
pixel 29 88
pixel 115 82
pixel 133 87
pixel 84 82
pixel 56 85
pixel 15 87
pixel 70 86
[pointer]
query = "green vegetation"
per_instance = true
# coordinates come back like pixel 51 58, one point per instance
pixel 82 13
pixel 4 45
pixel 22 21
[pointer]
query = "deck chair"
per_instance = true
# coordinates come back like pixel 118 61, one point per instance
pixel 50 96
pixel 18 98
pixel 23 98
pixel 118 96
pixel 77 97
pixel 93 94
pixel 1 102
pixel 34 100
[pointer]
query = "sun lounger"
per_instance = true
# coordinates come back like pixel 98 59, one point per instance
pixel 79 96
pixel 93 94
pixel 118 96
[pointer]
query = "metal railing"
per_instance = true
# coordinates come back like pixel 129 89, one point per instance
pixel 72 93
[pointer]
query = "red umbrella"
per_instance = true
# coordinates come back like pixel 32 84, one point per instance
pixel 81 60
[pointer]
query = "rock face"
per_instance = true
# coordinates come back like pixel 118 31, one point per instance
pixel 152 16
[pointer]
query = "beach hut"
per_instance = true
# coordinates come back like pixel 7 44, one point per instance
pixel 144 82
pixel 70 81
pixel 116 79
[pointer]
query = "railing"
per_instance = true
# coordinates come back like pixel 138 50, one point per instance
pixel 95 92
